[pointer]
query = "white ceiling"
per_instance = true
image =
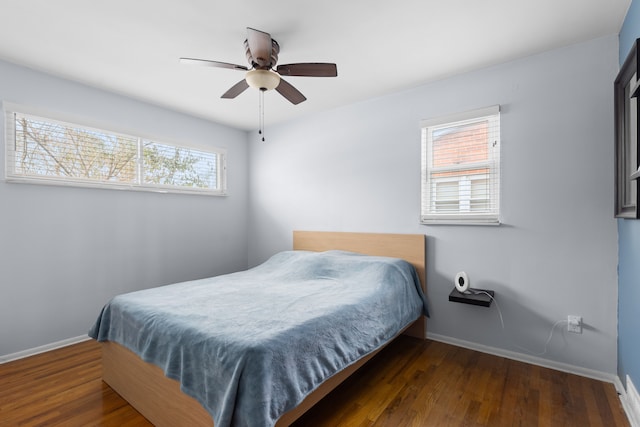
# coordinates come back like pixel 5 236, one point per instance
pixel 132 46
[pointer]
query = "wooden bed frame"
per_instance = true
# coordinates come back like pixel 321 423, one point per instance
pixel 159 398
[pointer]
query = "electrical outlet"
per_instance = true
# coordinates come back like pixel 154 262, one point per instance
pixel 574 324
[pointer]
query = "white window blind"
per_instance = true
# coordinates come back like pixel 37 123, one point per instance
pixel 461 168
pixel 48 151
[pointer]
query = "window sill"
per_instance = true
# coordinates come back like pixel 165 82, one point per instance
pixel 119 187
pixel 451 221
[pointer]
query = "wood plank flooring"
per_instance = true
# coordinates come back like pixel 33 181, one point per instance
pixel 410 383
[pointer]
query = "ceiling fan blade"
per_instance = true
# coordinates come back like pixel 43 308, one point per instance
pixel 208 63
pixel 291 93
pixel 309 69
pixel 236 89
pixel 260 46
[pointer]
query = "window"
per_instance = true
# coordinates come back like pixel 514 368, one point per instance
pixel 461 168
pixel 48 151
pixel 626 89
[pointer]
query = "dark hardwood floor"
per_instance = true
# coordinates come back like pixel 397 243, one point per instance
pixel 410 383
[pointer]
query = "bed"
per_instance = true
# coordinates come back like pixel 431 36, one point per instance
pixel 162 390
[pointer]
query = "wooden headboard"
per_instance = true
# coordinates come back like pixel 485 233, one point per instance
pixel 410 247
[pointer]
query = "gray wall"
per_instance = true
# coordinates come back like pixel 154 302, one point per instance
pixel 357 168
pixel 65 251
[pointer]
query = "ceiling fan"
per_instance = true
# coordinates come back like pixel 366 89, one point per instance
pixel 263 73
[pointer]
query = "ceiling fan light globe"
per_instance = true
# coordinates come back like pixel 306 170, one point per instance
pixel 263 79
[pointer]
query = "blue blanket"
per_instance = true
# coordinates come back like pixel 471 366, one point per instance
pixel 252 345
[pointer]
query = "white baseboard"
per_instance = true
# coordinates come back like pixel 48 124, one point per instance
pixel 631 403
pixel 43 348
pixel 534 360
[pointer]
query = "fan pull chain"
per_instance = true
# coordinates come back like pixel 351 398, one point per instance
pixel 261 113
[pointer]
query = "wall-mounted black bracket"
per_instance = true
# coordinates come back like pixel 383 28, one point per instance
pixel 473 297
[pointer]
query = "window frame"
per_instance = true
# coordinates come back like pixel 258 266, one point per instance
pixel 11 176
pixel 493 164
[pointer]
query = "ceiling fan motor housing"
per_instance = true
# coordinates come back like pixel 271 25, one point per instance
pixel 263 63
